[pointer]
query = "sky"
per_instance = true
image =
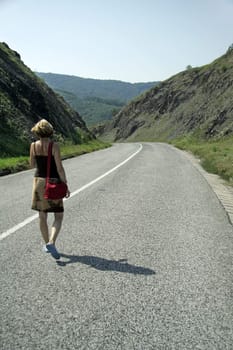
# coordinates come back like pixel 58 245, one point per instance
pixel 127 40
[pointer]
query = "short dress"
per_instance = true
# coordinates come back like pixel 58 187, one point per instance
pixel 39 203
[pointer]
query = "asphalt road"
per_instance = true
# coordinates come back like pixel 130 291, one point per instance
pixel 146 258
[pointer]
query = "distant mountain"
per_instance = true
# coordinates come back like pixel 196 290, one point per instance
pixel 104 89
pixel 198 100
pixel 25 99
pixel 96 100
pixel 92 109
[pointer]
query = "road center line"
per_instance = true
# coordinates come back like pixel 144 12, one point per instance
pixel 35 216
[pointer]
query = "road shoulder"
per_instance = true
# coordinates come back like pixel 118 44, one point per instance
pixel 223 191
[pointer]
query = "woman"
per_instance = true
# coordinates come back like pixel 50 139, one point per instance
pixel 38 158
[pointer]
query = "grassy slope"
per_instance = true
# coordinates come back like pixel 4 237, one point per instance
pixel 216 156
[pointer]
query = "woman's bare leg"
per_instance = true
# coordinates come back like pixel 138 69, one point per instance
pixel 44 226
pixel 58 217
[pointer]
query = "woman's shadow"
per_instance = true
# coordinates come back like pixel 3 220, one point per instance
pixel 105 264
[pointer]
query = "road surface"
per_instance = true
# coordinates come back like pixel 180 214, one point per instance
pixel 146 258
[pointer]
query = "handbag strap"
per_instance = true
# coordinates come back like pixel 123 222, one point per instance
pixel 49 161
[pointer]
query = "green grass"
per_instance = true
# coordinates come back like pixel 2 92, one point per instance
pixel 216 156
pixel 68 150
pixel 14 164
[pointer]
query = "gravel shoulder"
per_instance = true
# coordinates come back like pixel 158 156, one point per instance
pixel 223 191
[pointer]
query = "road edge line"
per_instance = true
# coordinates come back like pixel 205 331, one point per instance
pixel 35 216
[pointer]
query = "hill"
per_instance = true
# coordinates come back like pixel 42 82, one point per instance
pixel 96 100
pixel 25 99
pixel 196 101
pixel 92 109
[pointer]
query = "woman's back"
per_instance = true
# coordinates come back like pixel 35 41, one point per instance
pixel 41 157
pixel 41 147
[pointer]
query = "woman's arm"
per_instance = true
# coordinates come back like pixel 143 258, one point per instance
pixel 57 157
pixel 60 169
pixel 32 156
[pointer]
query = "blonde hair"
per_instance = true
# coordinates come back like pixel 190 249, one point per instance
pixel 43 128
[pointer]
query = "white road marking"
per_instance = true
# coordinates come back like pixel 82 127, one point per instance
pixel 35 216
pixel 105 174
pixel 18 226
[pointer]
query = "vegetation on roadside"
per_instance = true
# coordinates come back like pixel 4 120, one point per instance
pixel 216 155
pixel 14 164
pixel 68 150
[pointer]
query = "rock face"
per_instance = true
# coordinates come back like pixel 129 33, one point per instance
pixel 25 99
pixel 198 100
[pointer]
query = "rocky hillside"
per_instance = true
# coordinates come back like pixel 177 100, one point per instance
pixel 24 99
pixel 198 100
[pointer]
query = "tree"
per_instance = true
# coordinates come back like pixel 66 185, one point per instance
pixel 230 48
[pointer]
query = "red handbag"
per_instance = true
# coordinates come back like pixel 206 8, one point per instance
pixel 54 188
